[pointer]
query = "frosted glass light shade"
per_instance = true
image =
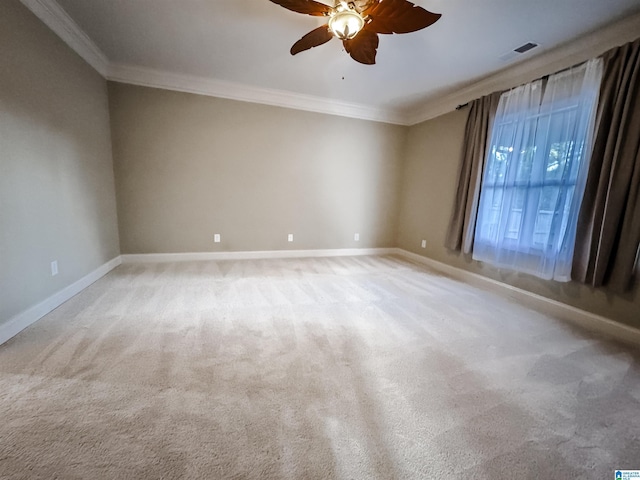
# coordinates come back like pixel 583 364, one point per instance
pixel 346 24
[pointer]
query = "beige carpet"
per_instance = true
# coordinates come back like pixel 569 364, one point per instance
pixel 350 368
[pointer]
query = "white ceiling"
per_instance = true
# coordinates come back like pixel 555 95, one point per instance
pixel 245 44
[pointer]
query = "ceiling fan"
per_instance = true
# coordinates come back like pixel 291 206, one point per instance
pixel 358 22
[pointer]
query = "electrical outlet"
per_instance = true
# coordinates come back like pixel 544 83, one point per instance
pixel 356 237
pixel 54 268
pixel 290 237
pixel 216 238
pixel 424 244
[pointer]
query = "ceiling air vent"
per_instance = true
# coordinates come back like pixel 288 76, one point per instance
pixel 527 47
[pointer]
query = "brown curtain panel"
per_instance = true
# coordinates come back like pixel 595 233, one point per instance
pixel 476 138
pixel 608 232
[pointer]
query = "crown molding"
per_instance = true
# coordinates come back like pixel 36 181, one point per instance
pixel 566 55
pixel 54 16
pixel 149 77
pixel 588 46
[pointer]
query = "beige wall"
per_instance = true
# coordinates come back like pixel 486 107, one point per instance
pixel 428 190
pixel 188 166
pixel 56 174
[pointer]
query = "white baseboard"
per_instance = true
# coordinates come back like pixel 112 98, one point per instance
pixel 588 320
pixel 21 321
pixel 197 256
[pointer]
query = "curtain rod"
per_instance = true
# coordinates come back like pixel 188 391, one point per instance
pixel 543 78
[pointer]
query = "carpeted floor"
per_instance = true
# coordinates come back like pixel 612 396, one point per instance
pixel 349 368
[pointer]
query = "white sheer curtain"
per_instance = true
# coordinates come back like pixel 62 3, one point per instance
pixel 536 171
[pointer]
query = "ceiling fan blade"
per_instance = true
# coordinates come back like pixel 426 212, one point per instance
pixel 312 39
pixel 308 7
pixel 368 6
pixel 363 47
pixel 398 16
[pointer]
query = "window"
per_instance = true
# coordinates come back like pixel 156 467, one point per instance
pixel 535 172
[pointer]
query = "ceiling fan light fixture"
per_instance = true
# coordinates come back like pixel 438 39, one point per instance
pixel 358 23
pixel 346 24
